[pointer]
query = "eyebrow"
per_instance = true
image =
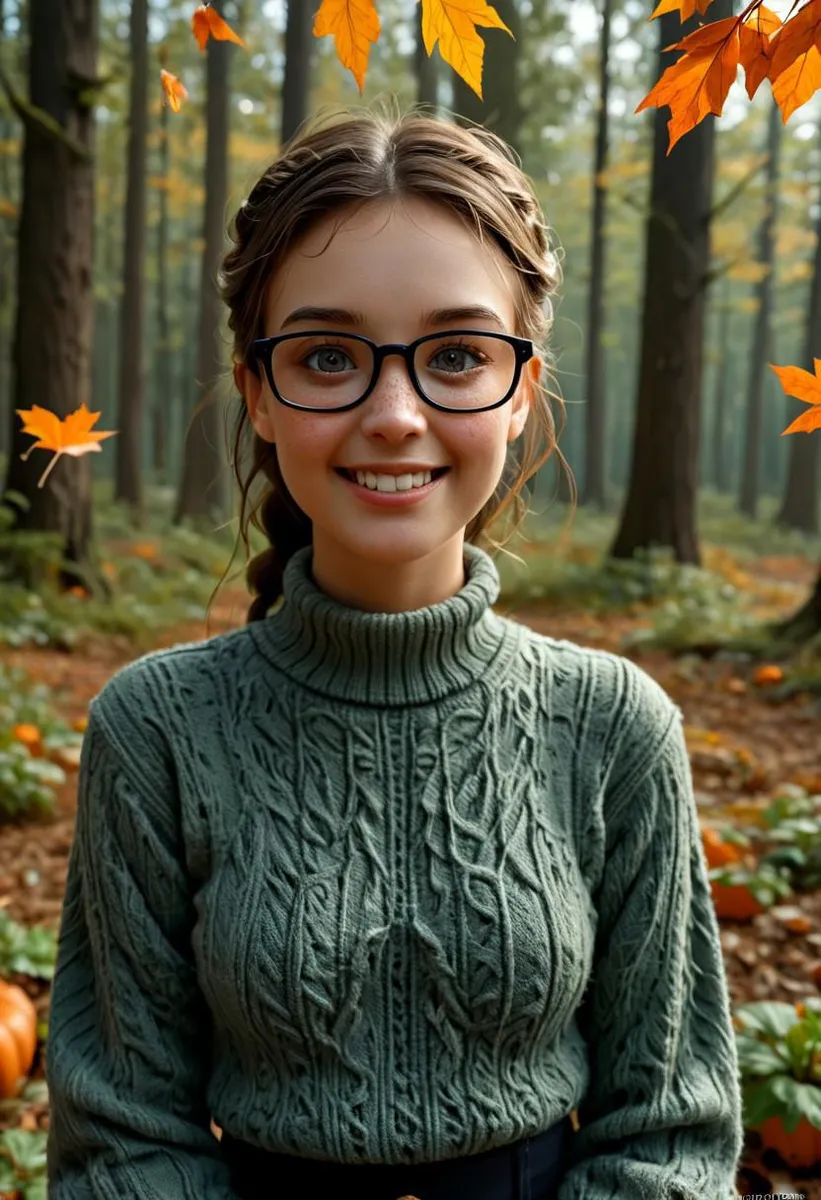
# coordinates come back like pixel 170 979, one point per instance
pixel 437 316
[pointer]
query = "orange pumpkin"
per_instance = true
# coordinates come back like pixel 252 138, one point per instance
pixel 718 852
pixel 801 1148
pixel 18 1038
pixel 734 901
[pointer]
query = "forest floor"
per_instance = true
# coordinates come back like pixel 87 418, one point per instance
pixel 742 746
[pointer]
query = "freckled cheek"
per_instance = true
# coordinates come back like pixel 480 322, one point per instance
pixel 310 444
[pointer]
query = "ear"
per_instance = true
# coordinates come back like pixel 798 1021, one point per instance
pixel 525 397
pixel 252 388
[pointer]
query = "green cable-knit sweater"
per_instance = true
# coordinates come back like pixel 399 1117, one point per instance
pixel 388 887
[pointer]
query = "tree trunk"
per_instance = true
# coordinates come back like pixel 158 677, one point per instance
pixel 131 390
pixel 296 86
pixel 660 508
pixel 162 400
pixel 500 109
pixel 595 477
pixel 806 623
pixel 204 492
pixel 426 69
pixel 761 348
pixel 52 338
pixel 6 246
pixel 799 508
pixel 719 444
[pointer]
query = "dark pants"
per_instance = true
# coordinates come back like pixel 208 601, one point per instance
pixel 531 1169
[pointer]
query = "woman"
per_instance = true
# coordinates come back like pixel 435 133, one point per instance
pixel 385 883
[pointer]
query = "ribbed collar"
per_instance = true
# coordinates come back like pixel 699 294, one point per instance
pixel 387 658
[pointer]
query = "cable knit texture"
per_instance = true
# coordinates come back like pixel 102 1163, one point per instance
pixel 388 887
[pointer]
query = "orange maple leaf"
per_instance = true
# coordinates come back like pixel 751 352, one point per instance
pixel 174 90
pixel 73 435
pixel 806 387
pixel 795 69
pixel 453 23
pixel 685 7
pixel 756 47
pixel 206 22
pixel 354 25
pixel 798 83
pixel 698 83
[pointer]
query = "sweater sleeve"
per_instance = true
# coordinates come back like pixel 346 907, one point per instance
pixel 661 1119
pixel 128 1050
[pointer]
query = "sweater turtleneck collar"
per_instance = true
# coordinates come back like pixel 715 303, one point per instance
pixel 386 658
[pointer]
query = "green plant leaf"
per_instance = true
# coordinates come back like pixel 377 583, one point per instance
pixel 759 1102
pixel 771 1017
pixel 757 1058
pixel 798 1100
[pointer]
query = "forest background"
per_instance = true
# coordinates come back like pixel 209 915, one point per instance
pixel 697 543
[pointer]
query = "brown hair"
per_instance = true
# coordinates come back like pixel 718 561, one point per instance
pixel 362 157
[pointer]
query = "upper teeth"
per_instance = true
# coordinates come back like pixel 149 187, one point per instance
pixel 393 483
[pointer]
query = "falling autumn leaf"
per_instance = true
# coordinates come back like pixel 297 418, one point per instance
pixel 806 387
pixel 175 91
pixel 354 26
pixel 206 22
pixel 73 435
pixel 453 23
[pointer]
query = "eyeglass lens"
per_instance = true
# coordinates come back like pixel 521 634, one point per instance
pixel 457 371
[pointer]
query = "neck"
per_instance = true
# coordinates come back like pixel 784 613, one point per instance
pixel 387 658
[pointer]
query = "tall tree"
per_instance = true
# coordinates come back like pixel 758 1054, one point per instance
pixel 799 507
pixel 660 508
pixel 760 351
pixel 501 106
pixel 296 87
pixel 204 490
pixel 52 338
pixel 6 244
pixel 721 394
pixel 163 357
pixel 127 478
pixel 595 479
pixel 426 69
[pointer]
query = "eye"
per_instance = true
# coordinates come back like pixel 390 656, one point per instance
pixel 453 358
pixel 330 360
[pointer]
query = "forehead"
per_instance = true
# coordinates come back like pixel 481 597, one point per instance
pixel 392 260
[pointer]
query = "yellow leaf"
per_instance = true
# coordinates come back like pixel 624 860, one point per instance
pixel 354 26
pixel 453 24
pixel 8 209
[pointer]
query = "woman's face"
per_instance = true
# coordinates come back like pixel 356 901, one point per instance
pixel 394 264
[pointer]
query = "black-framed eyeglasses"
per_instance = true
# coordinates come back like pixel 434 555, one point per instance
pixel 459 370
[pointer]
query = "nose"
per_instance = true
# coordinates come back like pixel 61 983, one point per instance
pixel 394 378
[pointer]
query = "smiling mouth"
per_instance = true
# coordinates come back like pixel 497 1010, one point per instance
pixel 352 476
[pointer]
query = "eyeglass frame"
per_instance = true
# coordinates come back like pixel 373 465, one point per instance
pixel 263 348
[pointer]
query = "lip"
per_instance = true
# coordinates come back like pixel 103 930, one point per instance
pixel 391 499
pixel 393 468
